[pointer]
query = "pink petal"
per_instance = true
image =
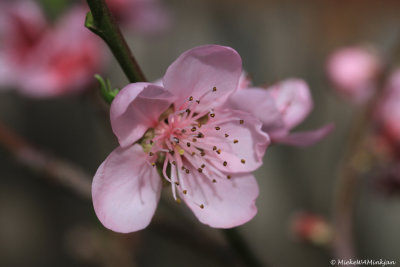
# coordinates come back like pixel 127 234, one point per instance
pixel 303 139
pixel 136 108
pixel 260 104
pixel 227 203
pixel 198 70
pixel 126 190
pixel 251 143
pixel 293 100
pixel 354 70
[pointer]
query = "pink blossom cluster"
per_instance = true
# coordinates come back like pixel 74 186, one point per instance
pixel 43 60
pixel 201 130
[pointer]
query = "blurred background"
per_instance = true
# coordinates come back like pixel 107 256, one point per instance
pixel 43 223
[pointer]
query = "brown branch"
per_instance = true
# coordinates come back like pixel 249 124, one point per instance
pixel 59 170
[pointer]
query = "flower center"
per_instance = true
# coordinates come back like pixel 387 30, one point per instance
pixel 185 142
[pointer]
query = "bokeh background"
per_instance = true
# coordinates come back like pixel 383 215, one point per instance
pixel 45 224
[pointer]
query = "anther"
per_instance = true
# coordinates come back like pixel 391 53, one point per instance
pixel 201 206
pixel 191 98
pixel 193 153
pixel 214 181
pixel 241 121
pixel 187 110
pixel 217 128
pixel 193 129
pixel 203 165
pixel 184 192
pixel 214 89
pixel 243 161
pixel 225 163
pixel 226 135
pixel 218 151
pixel 177 183
pixel 194 140
pixel 174 162
pixel 153 164
pixel 212 115
pixel 188 144
pixel 202 153
pixel 214 148
pixel 229 177
pixel 151 142
pixel 183 131
pixel 198 101
pixel 200 135
pixel 235 141
pixel 183 168
pixel 151 154
pixel 178 200
pixel 187 171
pixel 200 170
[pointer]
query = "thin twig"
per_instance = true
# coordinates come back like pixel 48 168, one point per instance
pixel 101 22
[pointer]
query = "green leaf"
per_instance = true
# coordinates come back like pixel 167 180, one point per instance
pixel 106 90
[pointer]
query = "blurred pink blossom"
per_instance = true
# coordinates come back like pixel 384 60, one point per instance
pixel 43 60
pixel 353 71
pixel 180 126
pixel 387 115
pixel 145 16
pixel 281 108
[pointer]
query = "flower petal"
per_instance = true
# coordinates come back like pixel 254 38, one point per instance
pixel 245 145
pixel 293 100
pixel 136 108
pixel 126 190
pixel 227 203
pixel 260 104
pixel 198 70
pixel 302 139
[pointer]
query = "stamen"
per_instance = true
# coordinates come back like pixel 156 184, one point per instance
pixel 229 177
pixel 153 164
pixel 187 171
pixel 193 129
pixel 226 135
pixel 212 115
pixel 201 206
pixel 202 153
pixel 217 128
pixel 214 89
pixel 225 163
pixel 200 135
pixel 214 148
pixel 241 121
pixel 243 161
pixel 178 200
pixel 218 151
pixel 184 192
pixel 235 141
pixel 200 170
pixel 203 165
pixel 194 140
pixel 214 181
pixel 191 98
pixel 188 144
pixel 193 153
pixel 151 154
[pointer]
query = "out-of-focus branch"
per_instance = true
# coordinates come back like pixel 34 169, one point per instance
pixel 58 170
pixel 100 21
pixel 351 170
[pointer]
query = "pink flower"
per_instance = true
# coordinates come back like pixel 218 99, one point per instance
pixel 146 16
pixel 205 151
pixel 387 115
pixel 41 60
pixel 281 108
pixel 353 71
